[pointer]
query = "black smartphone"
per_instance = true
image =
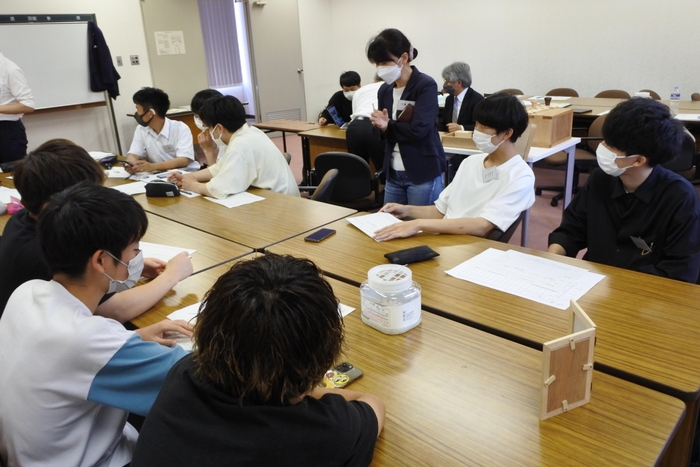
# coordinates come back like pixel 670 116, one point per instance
pixel 341 375
pixel 319 235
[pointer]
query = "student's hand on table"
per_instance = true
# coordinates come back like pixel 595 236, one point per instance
pixel 205 141
pixel 153 267
pixel 180 266
pixel 398 230
pixel 189 182
pixel 156 332
pixel 142 166
pixel 380 119
pixel 395 209
pixel 322 121
pixel 452 127
pixel 176 178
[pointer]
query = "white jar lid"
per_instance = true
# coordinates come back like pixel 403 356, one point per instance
pixel 389 278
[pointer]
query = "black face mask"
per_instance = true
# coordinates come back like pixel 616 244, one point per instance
pixel 139 118
pixel 449 89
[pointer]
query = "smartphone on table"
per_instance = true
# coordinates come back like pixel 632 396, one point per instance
pixel 319 235
pixel 341 375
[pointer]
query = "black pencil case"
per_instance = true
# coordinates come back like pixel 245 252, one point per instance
pixel 411 255
pixel 158 189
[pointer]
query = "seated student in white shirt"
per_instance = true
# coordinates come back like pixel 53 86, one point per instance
pixel 250 159
pixel 490 190
pixel 209 147
pixel 68 377
pixel 159 143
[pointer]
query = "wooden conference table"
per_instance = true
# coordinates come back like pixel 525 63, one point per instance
pixel 458 396
pixel 647 326
pixel 286 126
pixel 256 225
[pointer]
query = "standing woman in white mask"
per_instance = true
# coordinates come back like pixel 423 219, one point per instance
pixel 414 159
pixel 489 191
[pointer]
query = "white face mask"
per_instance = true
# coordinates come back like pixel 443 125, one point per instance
pixel 218 141
pixel 200 124
pixel 348 94
pixel 135 268
pixel 606 161
pixel 389 74
pixel 483 142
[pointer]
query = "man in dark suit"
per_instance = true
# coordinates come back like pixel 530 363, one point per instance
pixel 458 113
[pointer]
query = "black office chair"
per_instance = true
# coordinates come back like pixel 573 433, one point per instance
pixel 356 187
pixel 324 191
pixel 584 159
pixel 686 159
pixel 504 237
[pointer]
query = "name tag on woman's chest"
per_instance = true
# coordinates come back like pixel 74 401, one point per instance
pixel 490 174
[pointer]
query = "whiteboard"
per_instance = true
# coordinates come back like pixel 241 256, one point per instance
pixel 54 59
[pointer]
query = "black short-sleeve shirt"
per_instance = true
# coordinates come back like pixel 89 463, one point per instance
pixel 193 423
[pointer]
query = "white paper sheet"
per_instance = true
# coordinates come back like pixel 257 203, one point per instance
pixel 538 279
pixel 604 112
pixel 131 189
pixel 189 314
pixel 688 117
pixel 345 310
pixel 189 194
pixel 117 172
pixel 6 193
pixel 163 252
pixel 234 201
pixel 373 222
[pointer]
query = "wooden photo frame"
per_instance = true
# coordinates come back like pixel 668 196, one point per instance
pixel 567 369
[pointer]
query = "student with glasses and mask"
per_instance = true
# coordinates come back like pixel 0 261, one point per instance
pixel 250 158
pixel 159 143
pixel 490 189
pixel 407 114
pixel 634 213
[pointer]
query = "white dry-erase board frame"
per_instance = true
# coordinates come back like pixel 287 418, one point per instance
pixel 52 51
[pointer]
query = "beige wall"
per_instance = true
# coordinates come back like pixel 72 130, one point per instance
pixel 534 45
pixel 182 75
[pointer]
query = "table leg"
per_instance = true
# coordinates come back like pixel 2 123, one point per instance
pixel 525 226
pixel 306 158
pixel 569 183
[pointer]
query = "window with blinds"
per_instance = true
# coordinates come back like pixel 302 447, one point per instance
pixel 220 43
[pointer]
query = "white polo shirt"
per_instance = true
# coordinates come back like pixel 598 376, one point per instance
pixel 174 140
pixel 69 378
pixel 13 88
pixel 251 159
pixel 499 200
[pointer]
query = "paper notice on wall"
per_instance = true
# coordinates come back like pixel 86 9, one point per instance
pixel 170 42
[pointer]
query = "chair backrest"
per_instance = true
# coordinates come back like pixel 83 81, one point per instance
pixel 614 94
pixel 686 158
pixel 288 157
pixel 504 237
pixel 324 190
pixel 514 91
pixel 353 181
pixel 652 94
pixel 562 92
pixel 695 96
pixel 596 131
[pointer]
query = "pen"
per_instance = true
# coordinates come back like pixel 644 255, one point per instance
pixel 186 192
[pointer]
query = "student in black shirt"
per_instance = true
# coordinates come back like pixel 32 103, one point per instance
pixel 633 213
pixel 266 333
pixel 49 169
pixel 350 82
